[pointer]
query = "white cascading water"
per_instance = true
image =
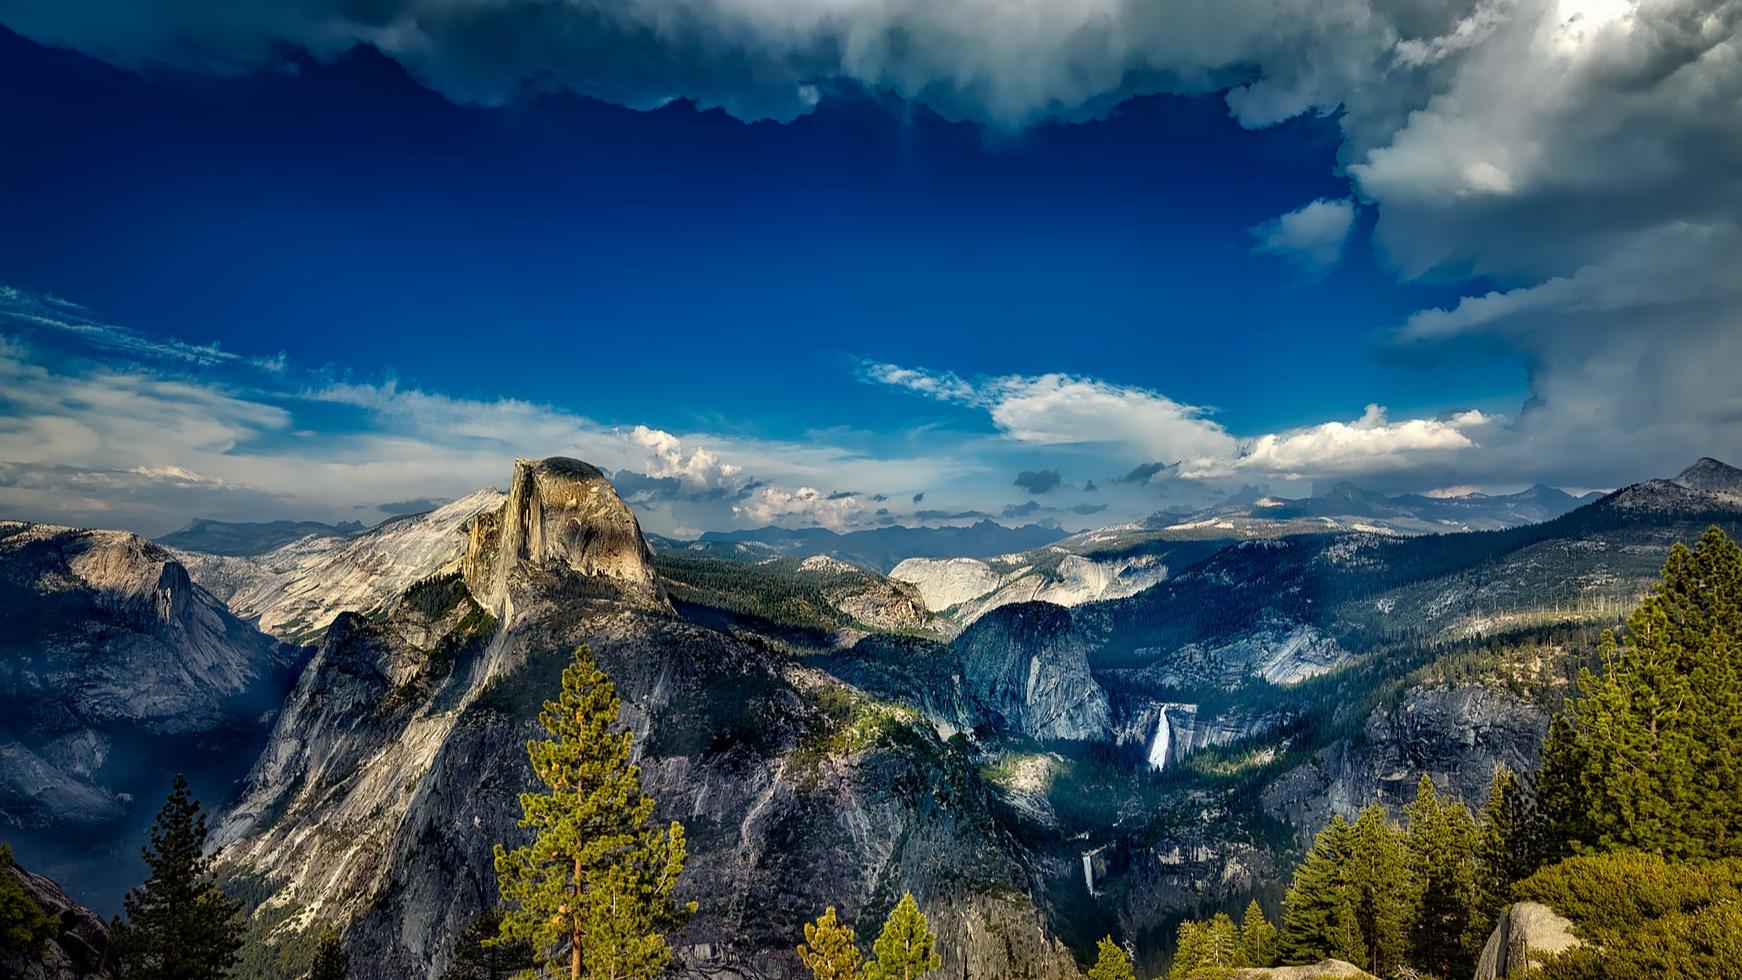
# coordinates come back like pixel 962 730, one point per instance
pixel 1089 870
pixel 1163 741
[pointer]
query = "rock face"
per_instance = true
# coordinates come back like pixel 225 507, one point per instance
pixel 294 591
pixel 1029 673
pixel 968 588
pixel 1526 932
pixel 75 952
pixel 397 762
pixel 109 639
pixel 1322 970
pixel 561 517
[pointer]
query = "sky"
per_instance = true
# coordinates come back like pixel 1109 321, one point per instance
pixel 854 262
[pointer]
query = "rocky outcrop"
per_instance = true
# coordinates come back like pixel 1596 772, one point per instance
pixel 561 518
pixel 1322 970
pixel 74 952
pixel 1526 933
pixel 968 588
pixel 109 640
pixel 1023 669
pixel 296 590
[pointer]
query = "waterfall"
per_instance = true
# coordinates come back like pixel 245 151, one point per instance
pixel 1163 741
pixel 1089 870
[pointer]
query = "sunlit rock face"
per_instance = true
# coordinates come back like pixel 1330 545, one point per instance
pixel 562 518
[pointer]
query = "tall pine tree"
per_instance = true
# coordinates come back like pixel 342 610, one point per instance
pixel 593 891
pixel 1649 755
pixel 1508 840
pixel 1111 963
pixel 1259 940
pixel 1318 918
pixel 178 925
pixel 906 949
pixel 1380 888
pixel 1448 924
pixel 830 951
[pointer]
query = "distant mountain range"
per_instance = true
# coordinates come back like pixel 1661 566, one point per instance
pixel 248 538
pixel 880 548
pixel 1347 507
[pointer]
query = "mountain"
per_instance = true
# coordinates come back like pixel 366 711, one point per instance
pixel 115 666
pixel 878 548
pixel 81 938
pixel 1710 476
pixel 244 539
pixel 806 603
pixel 294 591
pixel 396 763
pixel 1347 507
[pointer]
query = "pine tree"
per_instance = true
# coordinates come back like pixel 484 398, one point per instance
pixel 1508 844
pixel 1649 755
pixel 1211 946
pixel 1111 963
pixel 906 949
pixel 1318 918
pixel 829 950
pixel 331 960
pixel 1380 889
pixel 1448 923
pixel 179 925
pixel 1259 940
pixel 24 926
pixel 595 886
pixel 480 953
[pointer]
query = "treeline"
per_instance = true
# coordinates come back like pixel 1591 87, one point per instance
pixel 1632 826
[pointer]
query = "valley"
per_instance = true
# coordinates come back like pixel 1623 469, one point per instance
pixel 1107 733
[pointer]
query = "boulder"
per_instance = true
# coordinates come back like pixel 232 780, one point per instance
pixel 1322 970
pixel 1527 932
pixel 75 952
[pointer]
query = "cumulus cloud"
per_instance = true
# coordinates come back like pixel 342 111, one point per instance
pixel 1060 409
pixel 1038 482
pixel 1369 445
pixel 1310 237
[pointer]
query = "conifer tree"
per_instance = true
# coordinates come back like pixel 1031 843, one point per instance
pixel 829 950
pixel 1448 924
pixel 1318 917
pixel 331 960
pixel 178 925
pixel 1380 889
pixel 906 949
pixel 1111 963
pixel 1508 844
pixel 480 952
pixel 1649 755
pixel 1212 945
pixel 24 926
pixel 1259 940
pixel 592 893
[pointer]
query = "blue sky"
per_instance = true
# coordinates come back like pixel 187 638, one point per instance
pixel 856 298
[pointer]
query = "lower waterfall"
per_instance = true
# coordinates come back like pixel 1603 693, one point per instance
pixel 1163 741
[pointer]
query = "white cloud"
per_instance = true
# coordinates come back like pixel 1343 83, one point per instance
pixel 805 505
pixel 1311 236
pixel 1370 445
pixel 1059 409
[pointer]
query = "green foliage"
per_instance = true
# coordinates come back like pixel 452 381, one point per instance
pixel 906 949
pixel 1260 941
pixel 1380 887
pixel 1642 917
pixel 1319 919
pixel 481 954
pixel 1649 756
pixel 331 960
pixel 829 950
pixel 1448 926
pixel 595 886
pixel 25 927
pixel 1205 948
pixel 179 925
pixel 1508 840
pixel 1111 963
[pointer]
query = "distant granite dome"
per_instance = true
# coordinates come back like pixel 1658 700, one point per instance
pixel 561 516
pixel 1711 476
